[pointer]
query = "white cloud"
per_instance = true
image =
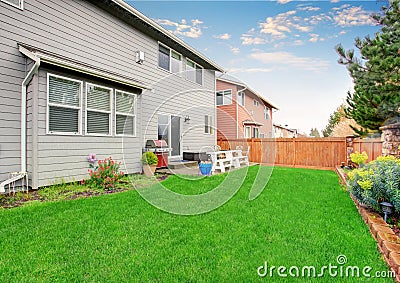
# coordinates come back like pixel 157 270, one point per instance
pixel 281 24
pixel 335 1
pixel 280 59
pixel 353 16
pixel 235 50
pixel 308 8
pixel 194 30
pixel 284 1
pixel 342 32
pixel 224 36
pixel 250 70
pixel 248 39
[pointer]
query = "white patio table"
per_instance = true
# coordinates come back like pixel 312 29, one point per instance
pixel 224 159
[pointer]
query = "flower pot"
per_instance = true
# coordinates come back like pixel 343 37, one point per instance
pixel 205 168
pixel 148 170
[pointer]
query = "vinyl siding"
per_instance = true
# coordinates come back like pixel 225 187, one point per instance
pixel 81 31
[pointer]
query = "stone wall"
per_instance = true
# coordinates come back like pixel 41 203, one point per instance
pixel 391 139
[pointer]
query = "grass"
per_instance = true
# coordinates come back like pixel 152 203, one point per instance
pixel 301 218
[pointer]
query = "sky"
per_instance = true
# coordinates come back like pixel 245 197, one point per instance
pixel 284 50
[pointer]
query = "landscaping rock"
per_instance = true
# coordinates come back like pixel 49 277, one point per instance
pixel 388 247
pixel 394 261
pixel 378 228
pixel 389 237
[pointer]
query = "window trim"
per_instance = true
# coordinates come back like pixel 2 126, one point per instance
pixel 256 103
pixel 179 74
pixel 125 114
pixel 266 113
pixel 19 6
pixel 99 111
pixel 48 104
pixel 244 98
pixel 223 95
pixel 195 69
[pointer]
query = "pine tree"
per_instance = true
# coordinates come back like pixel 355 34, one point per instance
pixel 376 75
pixel 314 133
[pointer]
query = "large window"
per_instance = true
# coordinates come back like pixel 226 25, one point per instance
pixel 241 98
pixel 194 72
pixel 169 60
pixel 98 110
pixel 64 105
pixel 247 132
pixel 256 132
pixel 15 3
pixel 125 113
pixel 208 124
pixel 224 97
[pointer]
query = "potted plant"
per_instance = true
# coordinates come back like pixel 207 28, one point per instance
pixel 149 161
pixel 205 167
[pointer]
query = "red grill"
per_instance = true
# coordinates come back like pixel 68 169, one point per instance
pixel 161 149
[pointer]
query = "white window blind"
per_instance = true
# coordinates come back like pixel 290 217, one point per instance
pixel 125 113
pixel 224 97
pixel 163 57
pixel 64 105
pixel 194 72
pixel 98 110
pixel 176 62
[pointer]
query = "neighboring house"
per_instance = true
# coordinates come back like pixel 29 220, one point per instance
pixel 284 132
pixel 241 112
pixel 82 77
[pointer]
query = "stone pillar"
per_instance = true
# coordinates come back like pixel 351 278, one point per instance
pixel 390 139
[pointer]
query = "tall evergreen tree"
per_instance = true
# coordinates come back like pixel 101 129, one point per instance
pixel 376 75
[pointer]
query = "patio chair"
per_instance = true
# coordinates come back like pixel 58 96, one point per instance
pixel 240 158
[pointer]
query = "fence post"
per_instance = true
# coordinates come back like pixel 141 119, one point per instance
pixel 294 152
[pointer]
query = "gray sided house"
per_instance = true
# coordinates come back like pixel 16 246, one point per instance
pixel 80 77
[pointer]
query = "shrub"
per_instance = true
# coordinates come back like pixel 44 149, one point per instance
pixel 149 158
pixel 105 175
pixel 359 158
pixel 377 181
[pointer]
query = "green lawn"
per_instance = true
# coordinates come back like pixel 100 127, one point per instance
pixel 301 218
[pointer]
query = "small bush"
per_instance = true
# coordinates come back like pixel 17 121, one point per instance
pixel 377 181
pixel 149 158
pixel 359 158
pixel 105 175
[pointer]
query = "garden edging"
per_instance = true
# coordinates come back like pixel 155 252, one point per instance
pixel 388 242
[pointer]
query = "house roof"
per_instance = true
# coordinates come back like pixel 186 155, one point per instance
pixel 123 10
pixel 284 128
pixel 230 79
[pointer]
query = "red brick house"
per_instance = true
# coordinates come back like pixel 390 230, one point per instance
pixel 241 112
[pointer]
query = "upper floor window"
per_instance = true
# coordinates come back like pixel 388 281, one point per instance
pixel 98 110
pixel 125 113
pixel 169 60
pixel 266 113
pixel 256 103
pixel 241 98
pixel 15 3
pixel 194 72
pixel 224 97
pixel 256 132
pixel 64 105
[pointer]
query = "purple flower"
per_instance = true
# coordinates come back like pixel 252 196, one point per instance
pixel 92 158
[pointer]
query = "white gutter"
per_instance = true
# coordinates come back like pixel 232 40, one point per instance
pixel 23 173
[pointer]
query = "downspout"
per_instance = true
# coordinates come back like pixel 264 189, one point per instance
pixel 23 173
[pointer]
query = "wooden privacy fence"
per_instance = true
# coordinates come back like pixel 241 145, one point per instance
pixel 373 147
pixel 301 152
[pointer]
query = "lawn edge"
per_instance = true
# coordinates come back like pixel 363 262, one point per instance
pixel 388 243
